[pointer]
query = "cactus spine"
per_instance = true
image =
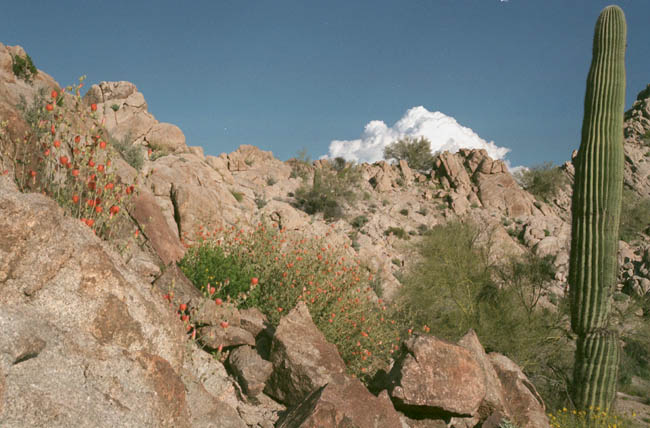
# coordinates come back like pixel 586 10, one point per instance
pixel 596 207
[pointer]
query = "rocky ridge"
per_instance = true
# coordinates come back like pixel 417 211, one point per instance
pixel 262 384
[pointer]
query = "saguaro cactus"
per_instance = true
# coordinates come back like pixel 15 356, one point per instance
pixel 596 207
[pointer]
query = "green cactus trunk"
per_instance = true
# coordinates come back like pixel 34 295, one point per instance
pixel 595 371
pixel 596 208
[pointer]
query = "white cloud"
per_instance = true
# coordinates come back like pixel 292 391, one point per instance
pixel 444 132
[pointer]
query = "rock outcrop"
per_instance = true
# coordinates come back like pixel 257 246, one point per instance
pixel 85 338
pixel 91 334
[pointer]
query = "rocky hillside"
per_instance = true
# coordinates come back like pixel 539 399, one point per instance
pixel 99 320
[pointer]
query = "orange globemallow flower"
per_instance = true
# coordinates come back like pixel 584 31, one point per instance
pixel 54 94
pixel 56 143
pixel 75 172
pixel 75 199
pixel 98 209
pixel 77 139
pixel 46 152
pixel 115 209
pixel 100 168
pixel 93 107
pixel 102 144
pixel 49 107
pixel 63 160
pixel 254 281
pixel 53 130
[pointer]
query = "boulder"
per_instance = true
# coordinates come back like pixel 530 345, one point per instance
pixel 433 377
pixel 206 312
pixel 250 369
pixel 214 337
pixel 174 283
pixel 524 403
pixel 82 338
pixel 302 359
pixel 494 401
pixel 167 137
pixel 344 402
pixel 148 215
pixel 406 171
pixel 451 167
pixel 499 191
pixel 131 121
pixel 256 323
pixel 221 166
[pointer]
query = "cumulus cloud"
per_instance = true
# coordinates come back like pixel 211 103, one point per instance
pixel 444 132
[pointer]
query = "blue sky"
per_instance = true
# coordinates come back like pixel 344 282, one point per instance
pixel 285 75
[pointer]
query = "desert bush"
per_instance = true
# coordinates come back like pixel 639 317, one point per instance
pixel 239 196
pixel 287 270
pixel 542 181
pixel 300 165
pixel 130 153
pixel 23 67
pixel 157 151
pixel 329 191
pixel 359 221
pixel 645 138
pixel 397 231
pixel 635 215
pixel 58 158
pixel 453 287
pixel 416 152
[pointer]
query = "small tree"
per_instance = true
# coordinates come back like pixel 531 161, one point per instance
pixel 23 68
pixel 416 152
pixel 542 181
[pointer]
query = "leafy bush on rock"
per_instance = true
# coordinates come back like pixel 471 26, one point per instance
pixel 288 269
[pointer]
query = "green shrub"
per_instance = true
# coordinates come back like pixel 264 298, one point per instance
pixel 359 221
pixel 261 203
pixel 300 165
pixel 404 211
pixel 397 231
pixel 416 152
pixel 159 151
pixel 452 287
pixel 23 68
pixel 237 195
pixel 635 215
pixel 646 138
pixel 271 181
pixel 209 264
pixel 131 153
pixel 542 181
pixel 290 269
pixel 330 190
